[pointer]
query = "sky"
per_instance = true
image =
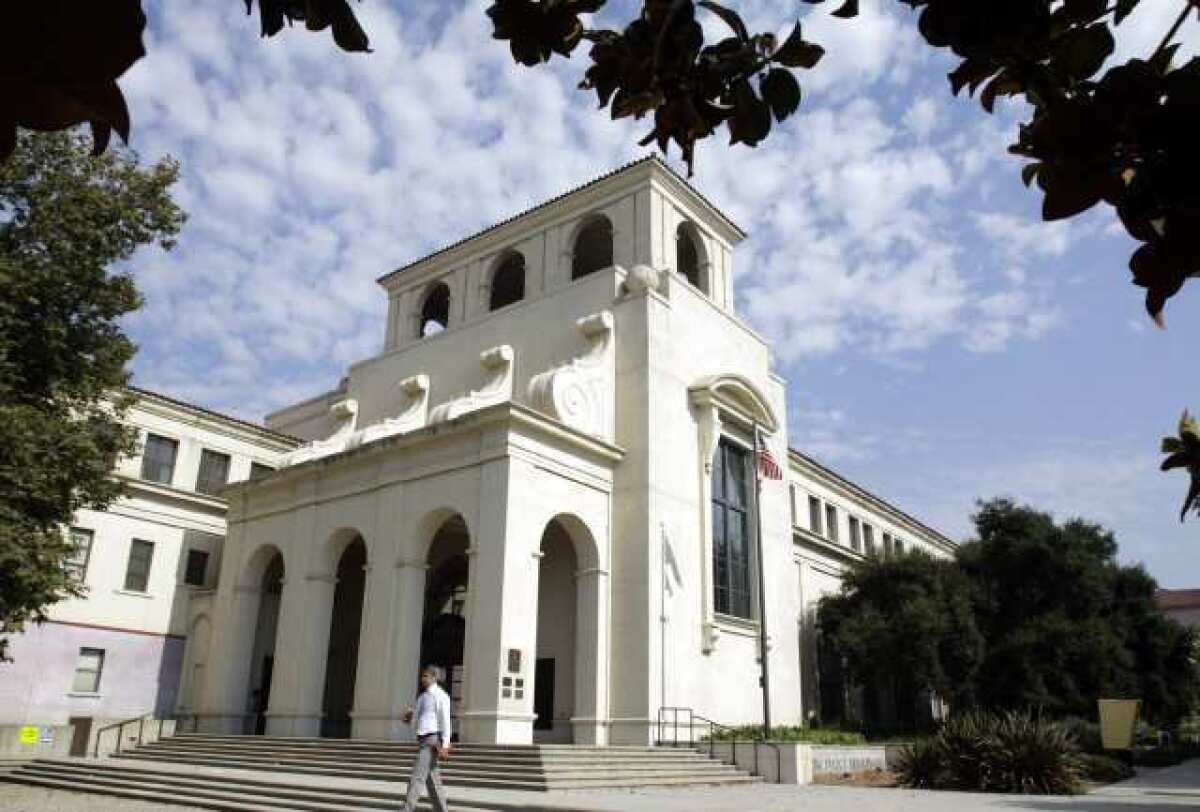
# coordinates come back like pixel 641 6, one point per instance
pixel 941 344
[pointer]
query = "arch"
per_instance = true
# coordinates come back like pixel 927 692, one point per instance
pixel 267 590
pixel 434 315
pixel 335 548
pixel 345 631
pixel 447 583
pixel 430 525
pixel 255 565
pixel 737 395
pixel 592 248
pixel 508 281
pixel 583 541
pixel 691 256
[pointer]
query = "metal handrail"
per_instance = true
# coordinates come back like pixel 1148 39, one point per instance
pixel 120 728
pixel 713 727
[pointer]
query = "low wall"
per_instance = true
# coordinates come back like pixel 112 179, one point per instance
pixel 26 742
pixel 797 763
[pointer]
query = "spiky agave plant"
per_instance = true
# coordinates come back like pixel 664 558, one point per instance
pixel 1184 452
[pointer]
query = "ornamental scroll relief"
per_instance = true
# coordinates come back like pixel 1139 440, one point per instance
pixel 413 411
pixel 578 392
pixel 345 413
pixel 497 387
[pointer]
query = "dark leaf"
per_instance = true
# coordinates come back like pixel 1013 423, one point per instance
pixel 1000 85
pixel 1068 192
pixel 1083 11
pixel 1161 61
pixel 1180 459
pixel 1029 172
pixel 1082 51
pixel 848 9
pixel 751 119
pixel 797 53
pixel 781 91
pixel 731 18
pixel 971 72
pixel 1192 498
pixel 347 33
pixel 1124 7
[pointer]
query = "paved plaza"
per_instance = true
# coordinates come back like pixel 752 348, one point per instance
pixel 1154 790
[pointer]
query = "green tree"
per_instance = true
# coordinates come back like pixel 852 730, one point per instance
pixel 1184 452
pixel 904 625
pixel 1064 623
pixel 65 218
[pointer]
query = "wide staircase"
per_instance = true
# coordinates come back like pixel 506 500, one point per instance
pixel 262 772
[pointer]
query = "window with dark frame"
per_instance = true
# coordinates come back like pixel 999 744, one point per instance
pixel 88 667
pixel 792 502
pixel 76 563
pixel 814 515
pixel 898 546
pixel 158 459
pixel 731 531
pixel 831 523
pixel 196 572
pixel 887 545
pixel 855 535
pixel 868 539
pixel 214 471
pixel 137 571
pixel 258 470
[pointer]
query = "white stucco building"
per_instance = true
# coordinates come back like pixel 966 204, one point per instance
pixel 545 483
pixel 149 564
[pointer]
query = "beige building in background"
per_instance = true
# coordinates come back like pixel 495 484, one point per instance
pixel 544 482
pixel 150 565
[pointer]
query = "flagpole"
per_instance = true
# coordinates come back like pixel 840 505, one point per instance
pixel 764 671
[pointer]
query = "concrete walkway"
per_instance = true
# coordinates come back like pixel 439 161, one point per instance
pixel 1165 790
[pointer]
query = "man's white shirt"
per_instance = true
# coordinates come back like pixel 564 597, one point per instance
pixel 432 714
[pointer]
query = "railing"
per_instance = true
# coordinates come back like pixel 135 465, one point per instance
pixel 141 723
pixel 713 728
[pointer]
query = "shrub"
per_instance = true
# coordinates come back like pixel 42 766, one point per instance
pixel 1104 769
pixel 783 733
pixel 1008 752
pixel 1086 733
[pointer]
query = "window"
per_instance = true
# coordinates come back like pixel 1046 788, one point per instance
pixel 731 531
pixel 687 255
pixel 508 282
pixel 814 514
pixel 435 311
pixel 792 503
pixel 593 248
pixel 855 535
pixel 158 459
pixel 887 545
pixel 137 571
pixel 258 470
pixel 831 523
pixel 76 563
pixel 197 568
pixel 214 471
pixel 868 539
pixel 88 666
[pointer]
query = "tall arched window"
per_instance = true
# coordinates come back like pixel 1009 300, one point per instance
pixel 731 531
pixel 435 311
pixel 593 247
pixel 688 257
pixel 508 281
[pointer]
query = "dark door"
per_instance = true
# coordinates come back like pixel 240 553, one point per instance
pixel 264 697
pixel 83 732
pixel 543 693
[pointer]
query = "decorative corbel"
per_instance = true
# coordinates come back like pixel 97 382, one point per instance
pixel 497 364
pixel 575 392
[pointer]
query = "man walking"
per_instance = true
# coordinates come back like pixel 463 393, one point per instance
pixel 431 722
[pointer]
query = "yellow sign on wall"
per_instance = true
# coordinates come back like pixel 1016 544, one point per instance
pixel 29 735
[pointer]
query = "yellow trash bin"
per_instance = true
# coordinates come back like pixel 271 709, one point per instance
pixel 1118 718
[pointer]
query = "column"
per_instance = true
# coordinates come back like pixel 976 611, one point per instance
pixel 301 649
pixel 226 690
pixel 502 618
pixel 589 725
pixel 371 711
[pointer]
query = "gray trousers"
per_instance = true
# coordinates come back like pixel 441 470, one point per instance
pixel 425 771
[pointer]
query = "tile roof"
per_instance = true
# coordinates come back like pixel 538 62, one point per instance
pixel 1177 599
pixel 219 415
pixel 652 158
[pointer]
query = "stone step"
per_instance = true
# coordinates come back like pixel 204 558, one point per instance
pixel 705 772
pixel 313 741
pixel 460 756
pixel 208 793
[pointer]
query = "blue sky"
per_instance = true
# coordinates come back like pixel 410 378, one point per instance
pixel 941 343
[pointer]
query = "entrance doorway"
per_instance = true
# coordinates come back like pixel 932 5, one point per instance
pixel 341 664
pixel 554 667
pixel 444 626
pixel 82 734
pixel 263 653
pixel 543 694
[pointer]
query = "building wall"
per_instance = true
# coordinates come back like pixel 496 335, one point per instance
pixel 143 634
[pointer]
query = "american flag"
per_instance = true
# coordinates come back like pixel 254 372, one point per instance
pixel 768 468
